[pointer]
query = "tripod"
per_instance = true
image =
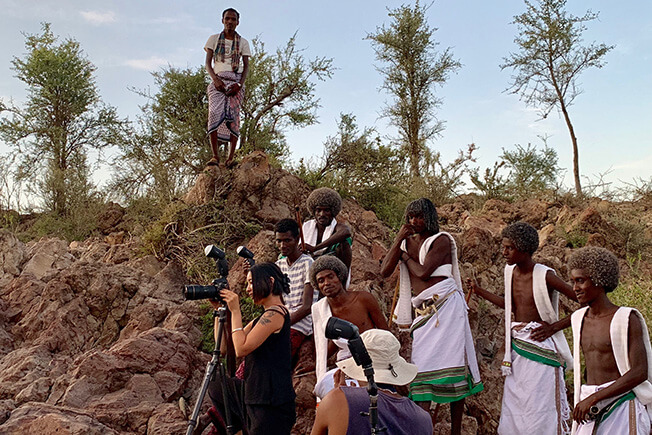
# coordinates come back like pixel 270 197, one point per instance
pixel 216 361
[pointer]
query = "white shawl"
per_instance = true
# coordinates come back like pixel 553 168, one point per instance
pixel 310 233
pixel 403 312
pixel 321 312
pixel 618 331
pixel 548 311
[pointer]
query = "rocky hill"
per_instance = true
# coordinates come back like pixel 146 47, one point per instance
pixel 96 338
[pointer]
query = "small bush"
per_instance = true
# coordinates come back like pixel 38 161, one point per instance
pixel 532 171
pixel 574 239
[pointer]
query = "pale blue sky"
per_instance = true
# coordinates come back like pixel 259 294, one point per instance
pixel 127 40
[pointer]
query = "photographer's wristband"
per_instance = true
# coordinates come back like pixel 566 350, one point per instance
pixel 236 330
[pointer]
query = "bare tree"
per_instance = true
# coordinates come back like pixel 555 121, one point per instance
pixel 550 59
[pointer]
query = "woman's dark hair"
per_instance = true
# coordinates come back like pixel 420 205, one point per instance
pixel 262 284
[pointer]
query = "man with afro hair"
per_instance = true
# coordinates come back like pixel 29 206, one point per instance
pixel 617 353
pixel 324 235
pixel 536 350
pixel 442 344
pixel 361 308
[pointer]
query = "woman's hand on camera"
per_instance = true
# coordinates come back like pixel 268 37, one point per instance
pixel 232 300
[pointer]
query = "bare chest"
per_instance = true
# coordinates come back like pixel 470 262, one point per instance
pixel 596 336
pixel 355 313
pixel 524 306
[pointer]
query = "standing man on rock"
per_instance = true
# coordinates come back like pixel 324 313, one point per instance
pixel 227 64
pixel 617 353
pixel 536 351
pixel 442 346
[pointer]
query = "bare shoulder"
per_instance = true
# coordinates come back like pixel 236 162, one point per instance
pixel 635 324
pixel 271 316
pixel 441 242
pixel 366 297
pixel 332 415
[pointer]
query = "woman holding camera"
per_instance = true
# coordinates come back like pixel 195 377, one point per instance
pixel 263 402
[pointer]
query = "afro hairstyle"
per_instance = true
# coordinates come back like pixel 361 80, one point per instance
pixel 523 235
pixel 328 262
pixel 600 264
pixel 324 197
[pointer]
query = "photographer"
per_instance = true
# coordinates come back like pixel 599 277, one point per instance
pixel 344 409
pixel 262 403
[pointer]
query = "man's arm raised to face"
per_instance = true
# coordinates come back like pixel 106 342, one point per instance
pixel 394 254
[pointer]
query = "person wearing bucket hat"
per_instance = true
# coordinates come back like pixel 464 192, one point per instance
pixel 342 410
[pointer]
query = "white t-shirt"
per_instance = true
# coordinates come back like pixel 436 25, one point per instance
pixel 218 66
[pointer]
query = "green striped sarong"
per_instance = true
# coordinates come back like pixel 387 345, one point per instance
pixel 444 386
pixel 536 353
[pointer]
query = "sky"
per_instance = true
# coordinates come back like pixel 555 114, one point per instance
pixel 128 40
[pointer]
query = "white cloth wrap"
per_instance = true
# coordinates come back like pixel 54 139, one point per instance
pixel 450 344
pixel 531 393
pixel 321 312
pixel 618 332
pixel 618 422
pixel 548 311
pixel 310 234
pixel 403 311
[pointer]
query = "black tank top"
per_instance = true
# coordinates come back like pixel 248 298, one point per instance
pixel 268 369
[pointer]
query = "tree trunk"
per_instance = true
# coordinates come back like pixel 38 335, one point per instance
pixel 576 158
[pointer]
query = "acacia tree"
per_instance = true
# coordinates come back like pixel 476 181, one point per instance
pixel 550 60
pixel 169 146
pixel 412 67
pixel 62 118
pixel 279 94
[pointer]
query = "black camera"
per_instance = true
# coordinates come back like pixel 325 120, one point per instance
pixel 194 292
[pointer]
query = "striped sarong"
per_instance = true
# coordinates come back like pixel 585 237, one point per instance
pixel 224 111
pixel 442 347
pixel 534 397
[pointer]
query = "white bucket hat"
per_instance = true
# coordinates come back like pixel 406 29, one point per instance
pixel 389 367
